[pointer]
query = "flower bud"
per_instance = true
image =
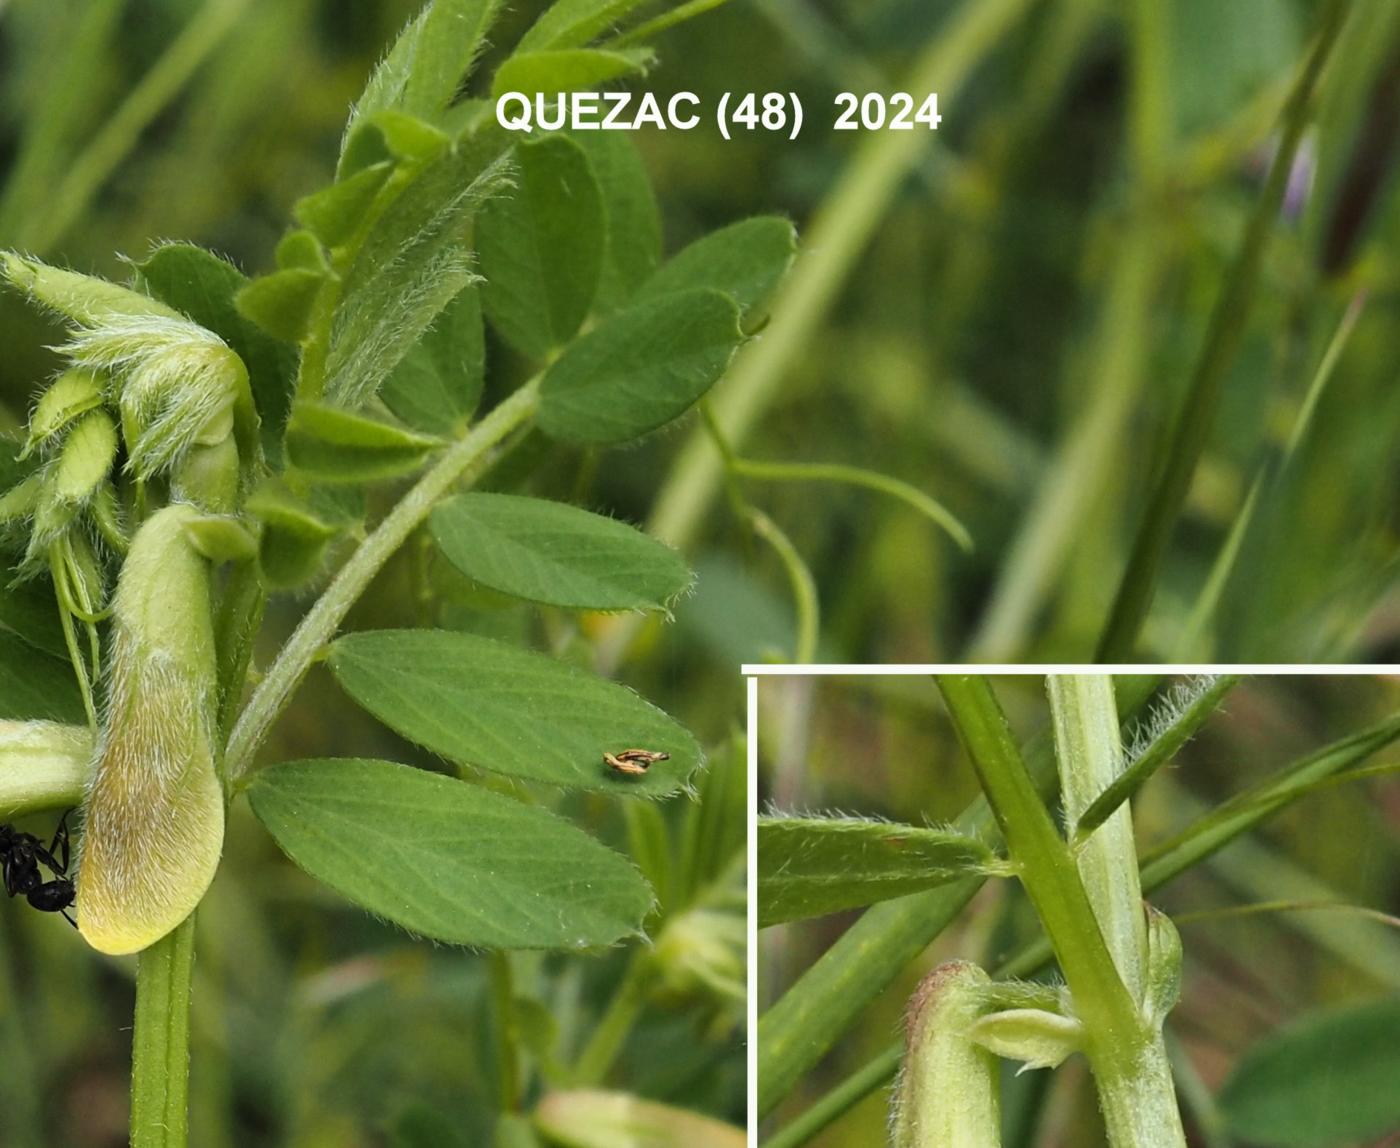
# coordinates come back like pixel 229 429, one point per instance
pixel 155 813
pixel 71 395
pixel 947 1095
pixel 86 459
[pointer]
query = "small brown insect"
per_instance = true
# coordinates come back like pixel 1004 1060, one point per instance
pixel 634 762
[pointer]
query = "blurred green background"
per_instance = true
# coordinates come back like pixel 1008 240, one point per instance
pixel 1013 339
pixel 884 747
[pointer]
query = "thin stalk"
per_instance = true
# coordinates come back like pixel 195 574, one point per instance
pixel 911 496
pixel 160 1047
pixel 804 586
pixel 507 1034
pixel 838 234
pixel 1223 339
pixel 839 1100
pixel 465 460
pixel 606 1044
pixel 120 134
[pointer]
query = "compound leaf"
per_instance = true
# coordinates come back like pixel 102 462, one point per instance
pixel 447 859
pixel 556 554
pixel 491 705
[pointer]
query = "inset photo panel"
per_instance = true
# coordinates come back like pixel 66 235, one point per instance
pixel 1076 909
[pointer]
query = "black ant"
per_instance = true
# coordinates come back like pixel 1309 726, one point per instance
pixel 21 854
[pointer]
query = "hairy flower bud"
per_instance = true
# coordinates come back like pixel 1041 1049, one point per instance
pixel 177 384
pixel 947 1092
pixel 155 813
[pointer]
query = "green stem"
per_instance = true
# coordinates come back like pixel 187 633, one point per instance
pixel 1127 1056
pixel 1089 752
pixel 839 1100
pixel 463 461
pixel 1045 866
pixel 804 586
pixel 507 1034
pixel 120 134
pixel 1223 339
pixel 609 1037
pixel 160 1048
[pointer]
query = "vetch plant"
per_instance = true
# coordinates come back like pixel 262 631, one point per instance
pixel 212 440
pixel 1119 959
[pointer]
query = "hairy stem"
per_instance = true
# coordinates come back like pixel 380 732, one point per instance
pixel 160 1047
pixel 464 460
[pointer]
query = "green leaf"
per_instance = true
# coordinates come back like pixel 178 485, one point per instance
pixel 573 23
pixel 429 61
pixel 640 368
pixel 437 385
pixel 333 213
pixel 449 860
pixel 34 685
pixel 811 866
pixel 203 286
pixel 281 303
pixel 454 33
pixel 745 260
pixel 512 711
pixel 301 250
pixel 1327 1079
pixel 633 248
pixel 30 610
pixel 335 445
pixel 556 554
pixel 541 247
pixel 413 263
pixel 544 73
pixel 296 529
